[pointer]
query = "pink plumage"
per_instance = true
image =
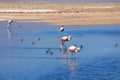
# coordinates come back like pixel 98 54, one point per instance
pixel 65 38
pixel 73 49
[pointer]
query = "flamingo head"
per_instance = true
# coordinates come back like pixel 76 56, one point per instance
pixel 78 49
pixel 69 38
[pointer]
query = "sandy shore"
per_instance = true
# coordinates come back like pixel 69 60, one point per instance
pixel 62 14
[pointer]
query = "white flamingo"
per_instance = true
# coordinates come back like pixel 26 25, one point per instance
pixel 10 21
pixel 8 29
pixel 62 29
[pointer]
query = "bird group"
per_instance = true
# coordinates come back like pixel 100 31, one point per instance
pixel 73 48
pixel 9 25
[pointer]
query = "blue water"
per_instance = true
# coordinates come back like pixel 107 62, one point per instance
pixel 22 60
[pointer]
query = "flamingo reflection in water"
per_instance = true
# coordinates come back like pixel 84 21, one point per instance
pixel 72 68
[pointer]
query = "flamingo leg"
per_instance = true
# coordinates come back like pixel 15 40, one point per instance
pixel 9 31
pixel 63 48
pixel 72 54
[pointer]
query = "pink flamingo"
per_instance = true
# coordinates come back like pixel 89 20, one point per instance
pixel 73 49
pixel 65 38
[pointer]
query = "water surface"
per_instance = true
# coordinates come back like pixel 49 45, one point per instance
pixel 20 59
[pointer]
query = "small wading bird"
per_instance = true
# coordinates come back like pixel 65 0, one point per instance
pixel 62 28
pixel 21 40
pixel 38 39
pixel 73 49
pixel 33 43
pixel 116 45
pixel 48 50
pixel 51 53
pixel 81 46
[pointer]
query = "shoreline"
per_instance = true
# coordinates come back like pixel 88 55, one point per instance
pixel 62 14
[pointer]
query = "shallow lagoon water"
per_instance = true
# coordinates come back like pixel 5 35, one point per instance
pixel 22 60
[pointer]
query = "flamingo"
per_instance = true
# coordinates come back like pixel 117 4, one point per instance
pixel 10 21
pixel 62 28
pixel 65 38
pixel 73 49
pixel 8 29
